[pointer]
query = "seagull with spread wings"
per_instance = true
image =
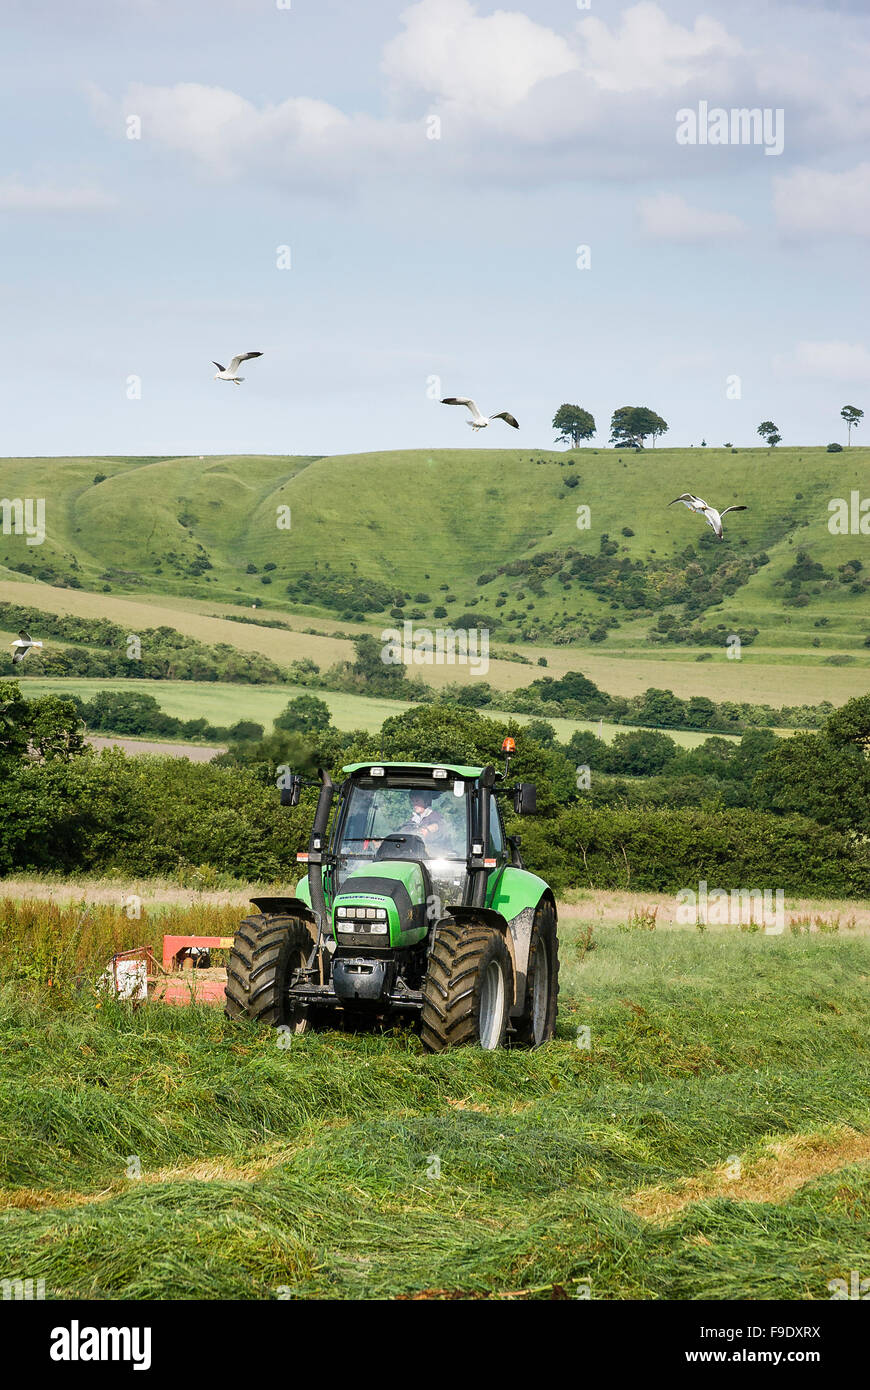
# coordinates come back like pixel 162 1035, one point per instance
pixel 230 373
pixel 478 421
pixel 710 514
pixel 21 646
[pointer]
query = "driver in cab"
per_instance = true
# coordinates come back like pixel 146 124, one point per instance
pixel 423 821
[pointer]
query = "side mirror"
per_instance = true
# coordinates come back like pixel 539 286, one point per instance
pixel 292 791
pixel 525 799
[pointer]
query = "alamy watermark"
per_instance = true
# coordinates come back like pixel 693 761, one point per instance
pixel 741 125
pixel 24 516
pixel 22 1290
pixel 440 646
pixel 77 1343
pixel 855 1288
pixel 737 907
pixel 849 518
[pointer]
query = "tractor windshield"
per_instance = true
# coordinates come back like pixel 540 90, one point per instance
pixel 399 822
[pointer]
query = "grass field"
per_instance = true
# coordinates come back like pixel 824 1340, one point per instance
pixel 712 1141
pixel 222 703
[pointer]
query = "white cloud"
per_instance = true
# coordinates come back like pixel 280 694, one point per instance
pixel 189 116
pixel 830 361
pixel 813 202
pixel 649 52
pixel 520 103
pixel 480 63
pixel 221 128
pixel 668 217
pixel 500 80
pixel 16 196
pixel 301 138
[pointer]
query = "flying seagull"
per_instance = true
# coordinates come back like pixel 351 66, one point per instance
pixel 710 514
pixel 478 421
pixel 229 373
pixel 22 646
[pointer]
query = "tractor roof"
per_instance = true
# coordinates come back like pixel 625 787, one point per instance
pixel 459 769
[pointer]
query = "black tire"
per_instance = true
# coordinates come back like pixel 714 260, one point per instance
pixel 468 989
pixel 537 1023
pixel 266 950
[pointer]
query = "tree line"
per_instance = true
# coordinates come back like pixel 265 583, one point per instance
pixel 791 813
pixel 632 425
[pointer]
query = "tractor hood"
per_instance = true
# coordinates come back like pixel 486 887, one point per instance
pixel 382 904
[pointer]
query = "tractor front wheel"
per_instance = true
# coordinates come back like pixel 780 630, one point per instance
pixel 468 989
pixel 538 1021
pixel 266 951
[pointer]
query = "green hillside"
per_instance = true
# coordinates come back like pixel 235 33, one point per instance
pixel 423 530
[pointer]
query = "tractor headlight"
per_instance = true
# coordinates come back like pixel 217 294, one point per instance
pixel 365 921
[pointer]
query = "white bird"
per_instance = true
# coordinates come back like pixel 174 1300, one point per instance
pixel 710 514
pixel 229 373
pixel 21 646
pixel 478 421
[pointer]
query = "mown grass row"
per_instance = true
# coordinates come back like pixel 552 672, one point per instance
pixel 282 1238
pixel 356 1166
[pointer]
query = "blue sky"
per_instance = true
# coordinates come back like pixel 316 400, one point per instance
pixel 416 258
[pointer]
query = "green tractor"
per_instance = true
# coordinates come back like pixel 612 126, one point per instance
pixel 416 903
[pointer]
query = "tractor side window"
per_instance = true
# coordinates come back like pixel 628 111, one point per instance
pixel 496 837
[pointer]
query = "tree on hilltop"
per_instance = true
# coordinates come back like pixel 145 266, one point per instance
pixel 853 417
pixel 769 433
pixel 632 424
pixel 574 425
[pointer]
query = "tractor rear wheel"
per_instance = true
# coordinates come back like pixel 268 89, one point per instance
pixel 266 950
pixel 537 1023
pixel 468 989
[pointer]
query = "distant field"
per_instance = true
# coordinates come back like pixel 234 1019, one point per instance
pixel 146 611
pixel 195 752
pixel 763 676
pixel 222 703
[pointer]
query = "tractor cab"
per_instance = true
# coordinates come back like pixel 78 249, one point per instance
pixel 392 815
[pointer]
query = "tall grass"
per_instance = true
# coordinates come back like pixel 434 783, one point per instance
pixel 63 946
